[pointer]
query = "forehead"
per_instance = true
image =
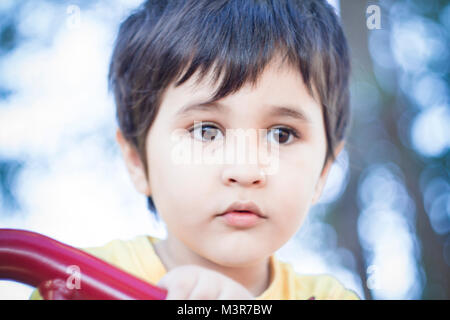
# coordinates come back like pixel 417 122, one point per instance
pixel 280 90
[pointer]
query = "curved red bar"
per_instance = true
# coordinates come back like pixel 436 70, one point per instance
pixel 40 261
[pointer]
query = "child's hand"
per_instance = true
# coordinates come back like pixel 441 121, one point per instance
pixel 197 283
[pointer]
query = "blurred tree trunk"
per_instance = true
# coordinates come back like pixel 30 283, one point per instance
pixel 353 17
pixel 431 245
pixel 437 284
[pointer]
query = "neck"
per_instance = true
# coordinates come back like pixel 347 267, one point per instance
pixel 255 277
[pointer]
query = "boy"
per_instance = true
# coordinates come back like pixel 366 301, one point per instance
pixel 207 69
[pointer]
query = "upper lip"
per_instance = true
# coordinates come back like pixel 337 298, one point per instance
pixel 244 206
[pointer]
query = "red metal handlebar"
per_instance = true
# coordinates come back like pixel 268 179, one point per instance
pixel 42 262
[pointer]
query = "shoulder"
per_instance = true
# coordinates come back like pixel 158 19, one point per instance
pixel 317 287
pixel 135 255
pixel 116 251
pixel 324 287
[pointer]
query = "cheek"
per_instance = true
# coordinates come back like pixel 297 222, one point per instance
pixel 294 186
pixel 178 189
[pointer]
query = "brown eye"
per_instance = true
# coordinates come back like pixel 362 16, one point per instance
pixel 283 135
pixel 206 133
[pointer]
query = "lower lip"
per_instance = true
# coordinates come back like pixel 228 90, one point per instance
pixel 241 219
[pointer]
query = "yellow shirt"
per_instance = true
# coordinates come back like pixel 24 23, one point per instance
pixel 138 257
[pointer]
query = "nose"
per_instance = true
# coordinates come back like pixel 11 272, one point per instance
pixel 244 175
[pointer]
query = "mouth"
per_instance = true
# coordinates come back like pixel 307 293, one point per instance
pixel 242 214
pixel 244 207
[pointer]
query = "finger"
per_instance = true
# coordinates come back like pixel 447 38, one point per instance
pixel 235 292
pixel 55 289
pixel 178 287
pixel 185 275
pixel 207 288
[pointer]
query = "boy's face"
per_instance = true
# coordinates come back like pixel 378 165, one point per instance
pixel 190 196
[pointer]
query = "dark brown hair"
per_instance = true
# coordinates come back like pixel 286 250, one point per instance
pixel 166 41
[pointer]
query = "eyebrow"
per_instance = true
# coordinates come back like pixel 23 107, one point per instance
pixel 290 112
pixel 275 110
pixel 201 106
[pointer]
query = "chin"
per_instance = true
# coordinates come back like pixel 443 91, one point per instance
pixel 237 259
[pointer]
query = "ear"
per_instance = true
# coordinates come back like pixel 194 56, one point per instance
pixel 134 164
pixel 323 176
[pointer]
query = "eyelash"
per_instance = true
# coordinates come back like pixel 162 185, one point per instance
pixel 291 131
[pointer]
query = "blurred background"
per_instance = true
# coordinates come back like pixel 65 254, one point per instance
pixel 382 226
